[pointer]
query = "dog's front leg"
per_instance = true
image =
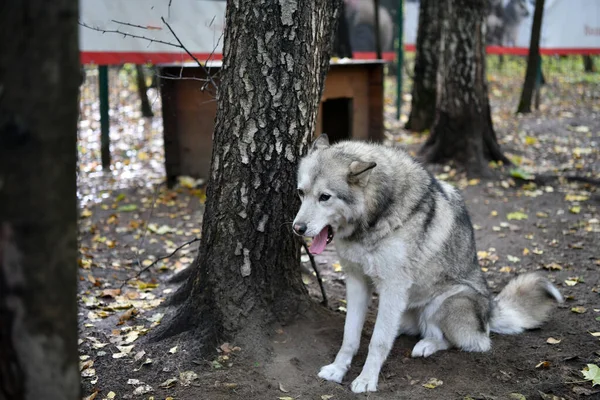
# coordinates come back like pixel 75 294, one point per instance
pixel 358 295
pixel 392 303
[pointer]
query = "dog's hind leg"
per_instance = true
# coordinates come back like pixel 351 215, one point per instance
pixel 458 320
pixel 358 295
pixel 464 320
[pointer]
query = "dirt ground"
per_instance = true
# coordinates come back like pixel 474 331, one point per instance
pixel 129 220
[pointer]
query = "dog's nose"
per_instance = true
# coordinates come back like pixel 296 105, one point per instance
pixel 300 228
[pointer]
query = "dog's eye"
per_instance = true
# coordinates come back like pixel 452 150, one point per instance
pixel 324 197
pixel 300 192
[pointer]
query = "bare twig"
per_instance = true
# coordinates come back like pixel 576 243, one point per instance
pixel 314 265
pixel 126 34
pixel 188 52
pixel 129 24
pixel 141 271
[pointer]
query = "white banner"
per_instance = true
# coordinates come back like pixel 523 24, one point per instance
pixel 117 31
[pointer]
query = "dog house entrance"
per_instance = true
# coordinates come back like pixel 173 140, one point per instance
pixel 337 119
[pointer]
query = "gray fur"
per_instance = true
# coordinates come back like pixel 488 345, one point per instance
pixel 515 13
pixel 410 235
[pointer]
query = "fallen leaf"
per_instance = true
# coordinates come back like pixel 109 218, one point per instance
pixel 517 215
pixel 505 269
pixel 88 373
pixel 133 382
pixel 513 258
pixel 111 395
pixel 86 213
pixel 91 396
pixel 169 383
pixel 553 267
pixel 143 390
pixel 326 396
pixel 127 315
pixel 579 309
pixel 520 174
pixel 591 373
pixel 575 209
pixel 337 267
pixel 551 340
pixel 543 364
pixel 127 207
pixel 187 377
pixel 173 350
pixel 433 383
pixel 517 396
pixel 110 293
pixel 595 334
pixel 576 197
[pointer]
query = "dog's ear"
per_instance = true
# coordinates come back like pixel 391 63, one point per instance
pixel 320 143
pixel 360 172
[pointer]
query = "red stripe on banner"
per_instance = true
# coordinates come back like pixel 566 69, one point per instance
pixel 117 58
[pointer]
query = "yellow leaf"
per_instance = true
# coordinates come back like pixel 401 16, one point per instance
pixel 541 214
pixel 571 282
pixel 433 383
pixel 525 251
pixel 538 251
pixel 85 214
pixel 575 209
pixel 553 266
pixel 579 309
pixel 111 395
pixel 506 269
pixel 337 267
pixel 576 197
pixel 517 215
pixel 551 340
pixel 494 213
pixel 529 140
pixel 543 364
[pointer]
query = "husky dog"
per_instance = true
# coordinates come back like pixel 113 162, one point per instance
pixel 399 230
pixel 515 13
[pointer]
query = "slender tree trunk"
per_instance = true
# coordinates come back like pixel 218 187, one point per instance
pixel 463 130
pixel 422 108
pixel 39 80
pixel 341 45
pixel 247 273
pixel 588 64
pixel 532 83
pixel 377 30
pixel 143 92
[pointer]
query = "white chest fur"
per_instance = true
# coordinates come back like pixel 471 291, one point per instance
pixel 385 260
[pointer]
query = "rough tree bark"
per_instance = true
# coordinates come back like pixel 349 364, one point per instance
pixel 532 83
pixel 463 130
pixel 140 78
pixel 247 273
pixel 422 108
pixel 39 79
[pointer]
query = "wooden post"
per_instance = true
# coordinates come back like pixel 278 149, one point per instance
pixel 104 119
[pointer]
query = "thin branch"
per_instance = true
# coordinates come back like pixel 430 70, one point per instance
pixel 129 24
pixel 140 272
pixel 131 35
pixel 188 52
pixel 314 265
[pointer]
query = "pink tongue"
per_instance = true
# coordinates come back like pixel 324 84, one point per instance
pixel 319 242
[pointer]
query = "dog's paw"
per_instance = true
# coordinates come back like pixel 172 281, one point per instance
pixel 333 373
pixel 427 347
pixel 364 383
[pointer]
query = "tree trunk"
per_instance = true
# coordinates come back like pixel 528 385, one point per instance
pixel 247 273
pixel 39 79
pixel 377 30
pixel 422 108
pixel 532 80
pixel 588 64
pixel 463 130
pixel 143 92
pixel 341 45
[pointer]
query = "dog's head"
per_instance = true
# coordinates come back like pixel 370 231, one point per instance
pixel 331 186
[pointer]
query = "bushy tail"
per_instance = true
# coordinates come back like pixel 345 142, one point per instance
pixel 525 303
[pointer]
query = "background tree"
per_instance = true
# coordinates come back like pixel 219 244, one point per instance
pixel 140 79
pixel 588 63
pixel 463 130
pixel 39 79
pixel 532 75
pixel 422 107
pixel 247 273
